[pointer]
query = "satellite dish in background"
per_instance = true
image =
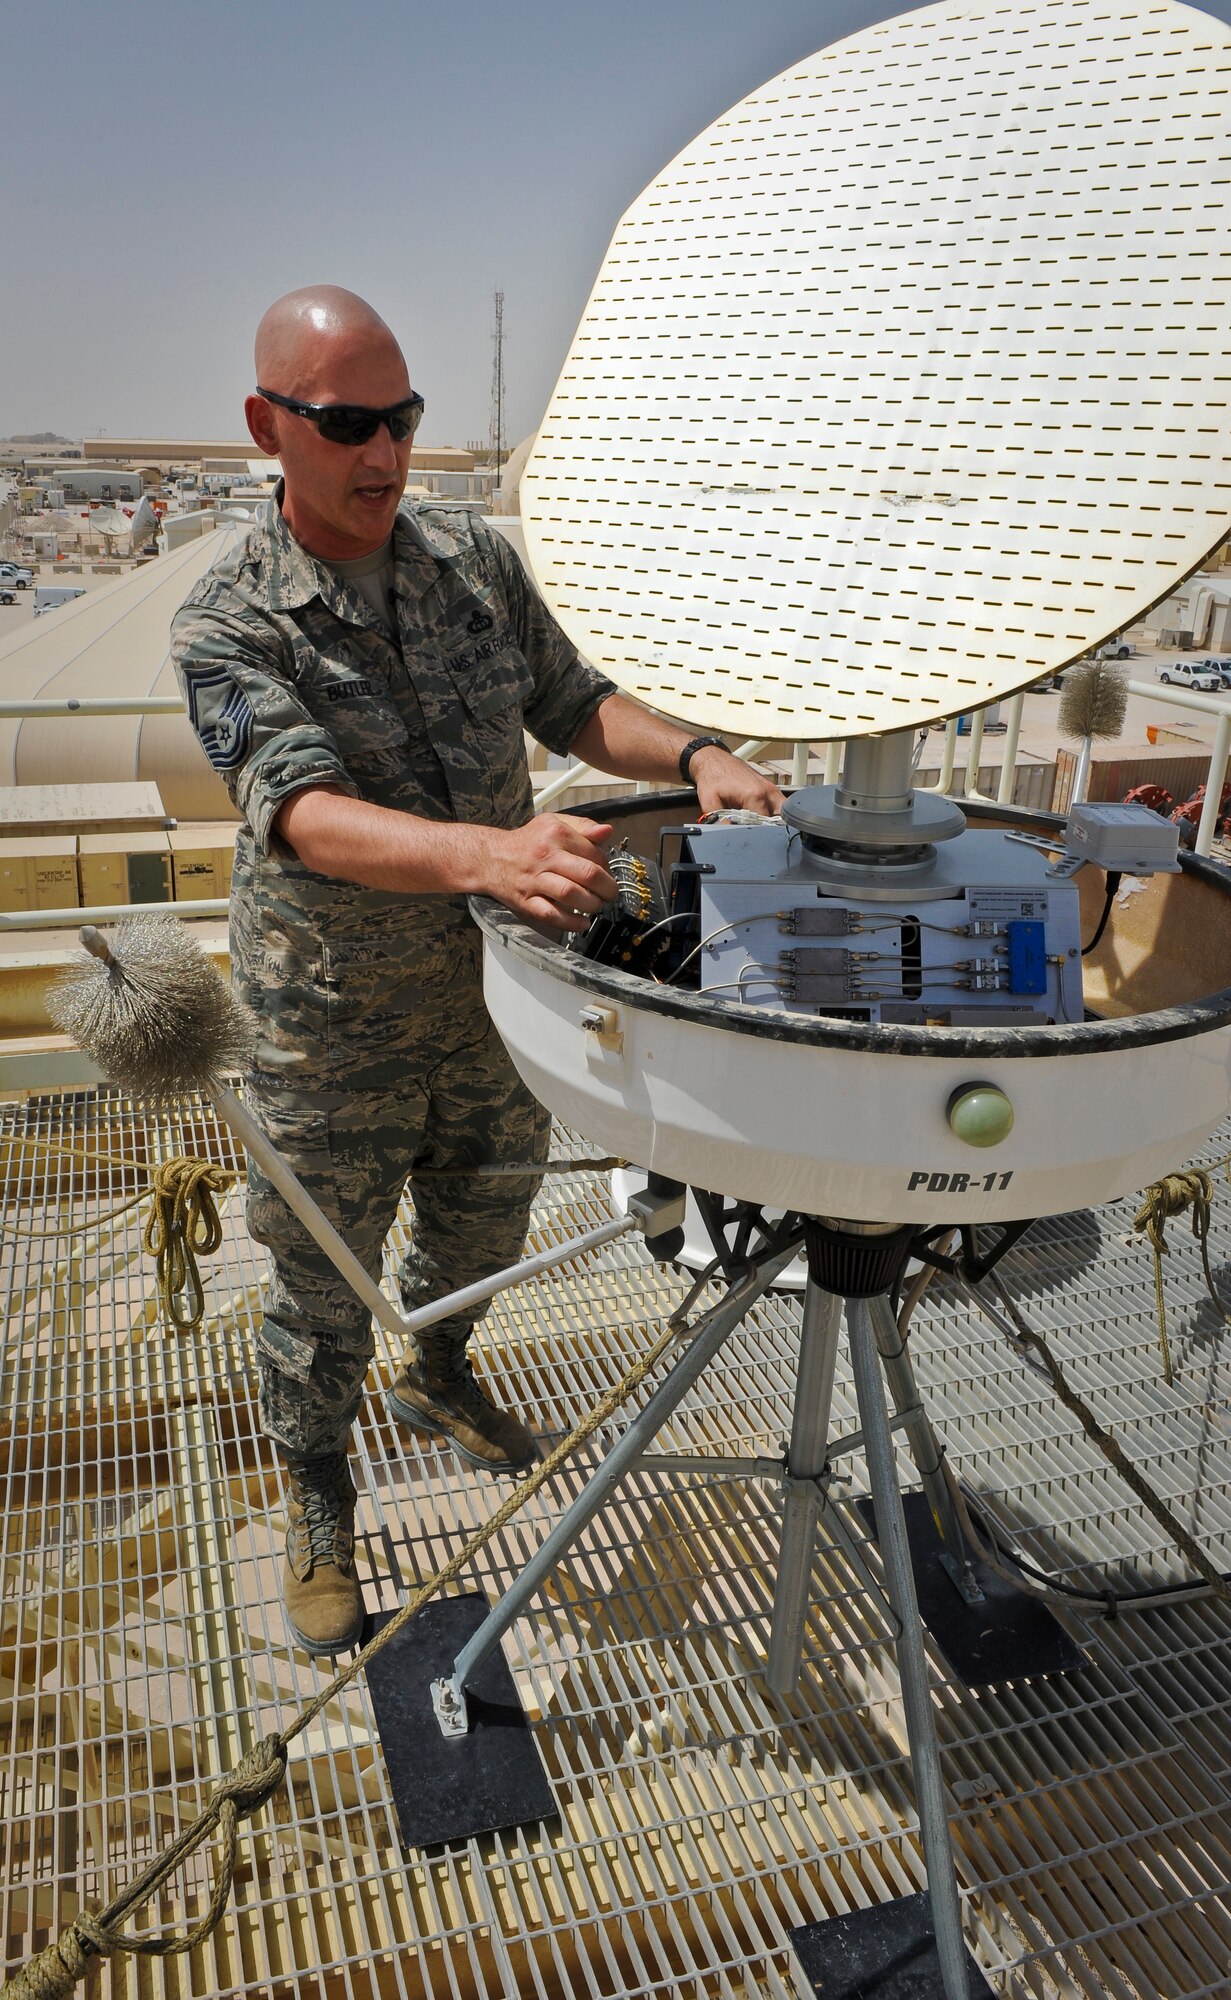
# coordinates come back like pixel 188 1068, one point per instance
pixel 905 383
pixel 144 525
pixel 111 523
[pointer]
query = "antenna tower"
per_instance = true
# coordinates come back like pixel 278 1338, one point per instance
pixel 497 416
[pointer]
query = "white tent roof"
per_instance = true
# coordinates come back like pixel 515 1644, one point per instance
pixel 112 641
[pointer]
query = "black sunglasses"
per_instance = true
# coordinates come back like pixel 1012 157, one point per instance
pixel 353 423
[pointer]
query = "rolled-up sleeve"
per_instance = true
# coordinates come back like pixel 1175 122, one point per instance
pixel 566 689
pixel 248 717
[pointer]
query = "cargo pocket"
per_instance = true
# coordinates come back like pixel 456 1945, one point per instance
pixel 282 977
pixel 313 1345
pixel 400 999
pixel 300 1134
pixel 310 1390
pixel 286 1353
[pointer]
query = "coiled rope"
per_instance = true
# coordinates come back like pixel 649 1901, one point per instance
pixel 1163 1199
pixel 184 1224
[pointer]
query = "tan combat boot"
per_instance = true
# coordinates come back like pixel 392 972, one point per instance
pixel 436 1392
pixel 320 1591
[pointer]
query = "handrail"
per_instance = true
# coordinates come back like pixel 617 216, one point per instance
pixel 573 775
pixel 91 704
pixel 577 774
pixel 106 913
pixel 1008 768
pixel 1179 697
pixel 948 757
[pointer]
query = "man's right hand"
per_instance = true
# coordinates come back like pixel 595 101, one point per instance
pixel 552 870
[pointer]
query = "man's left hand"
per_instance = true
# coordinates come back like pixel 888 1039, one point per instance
pixel 722 779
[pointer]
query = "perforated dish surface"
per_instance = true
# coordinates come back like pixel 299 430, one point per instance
pixel 907 381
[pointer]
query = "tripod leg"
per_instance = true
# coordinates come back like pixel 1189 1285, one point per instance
pixel 708 1334
pixel 818 1351
pixel 912 1663
pixel 924 1449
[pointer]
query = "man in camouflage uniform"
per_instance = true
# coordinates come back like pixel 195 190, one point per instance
pixel 360 672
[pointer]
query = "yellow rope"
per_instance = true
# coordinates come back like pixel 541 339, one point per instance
pixel 73 1228
pixel 96 1222
pixel 183 1224
pixel 1163 1199
pixel 64 1152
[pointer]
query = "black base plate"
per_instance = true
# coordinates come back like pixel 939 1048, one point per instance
pixel 448 1789
pixel 1009 1635
pixel 885 1953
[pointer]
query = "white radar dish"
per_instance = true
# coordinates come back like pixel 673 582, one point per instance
pixel 907 381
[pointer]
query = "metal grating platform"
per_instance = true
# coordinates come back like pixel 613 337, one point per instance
pixel 142 1650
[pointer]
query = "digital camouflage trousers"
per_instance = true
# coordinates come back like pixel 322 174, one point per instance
pixel 353 1150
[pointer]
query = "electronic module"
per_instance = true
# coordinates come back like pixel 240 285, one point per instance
pixel 992 939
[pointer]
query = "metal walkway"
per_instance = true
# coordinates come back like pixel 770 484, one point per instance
pixel 142 1648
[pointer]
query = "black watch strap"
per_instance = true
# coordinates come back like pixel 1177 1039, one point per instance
pixel 690 749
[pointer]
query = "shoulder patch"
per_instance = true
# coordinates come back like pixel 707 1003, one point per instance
pixel 221 714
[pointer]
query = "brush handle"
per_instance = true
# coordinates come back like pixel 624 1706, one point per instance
pixel 300 1202
pixel 1081 774
pixel 95 943
pixel 401 1326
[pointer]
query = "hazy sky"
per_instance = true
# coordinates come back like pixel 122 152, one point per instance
pixel 169 170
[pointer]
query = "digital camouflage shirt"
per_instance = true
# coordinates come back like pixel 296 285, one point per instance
pixel 289 681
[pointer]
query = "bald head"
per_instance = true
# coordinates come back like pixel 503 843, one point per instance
pixel 324 345
pixel 314 328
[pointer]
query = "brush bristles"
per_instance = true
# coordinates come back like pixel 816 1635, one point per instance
pixel 1094 700
pixel 157 1017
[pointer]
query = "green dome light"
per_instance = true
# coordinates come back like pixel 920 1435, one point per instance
pixel 980 1114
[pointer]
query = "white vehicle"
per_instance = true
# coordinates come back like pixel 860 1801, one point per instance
pixel 14 576
pixel 48 596
pixel 1189 674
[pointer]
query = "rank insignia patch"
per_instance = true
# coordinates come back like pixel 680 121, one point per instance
pixel 221 714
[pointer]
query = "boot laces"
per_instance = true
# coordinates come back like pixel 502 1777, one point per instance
pixel 458 1384
pixel 327 1496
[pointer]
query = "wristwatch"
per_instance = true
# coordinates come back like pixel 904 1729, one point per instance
pixel 690 750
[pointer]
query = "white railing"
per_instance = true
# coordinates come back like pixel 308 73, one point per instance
pixel 579 774
pixel 138 704
pixel 107 913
